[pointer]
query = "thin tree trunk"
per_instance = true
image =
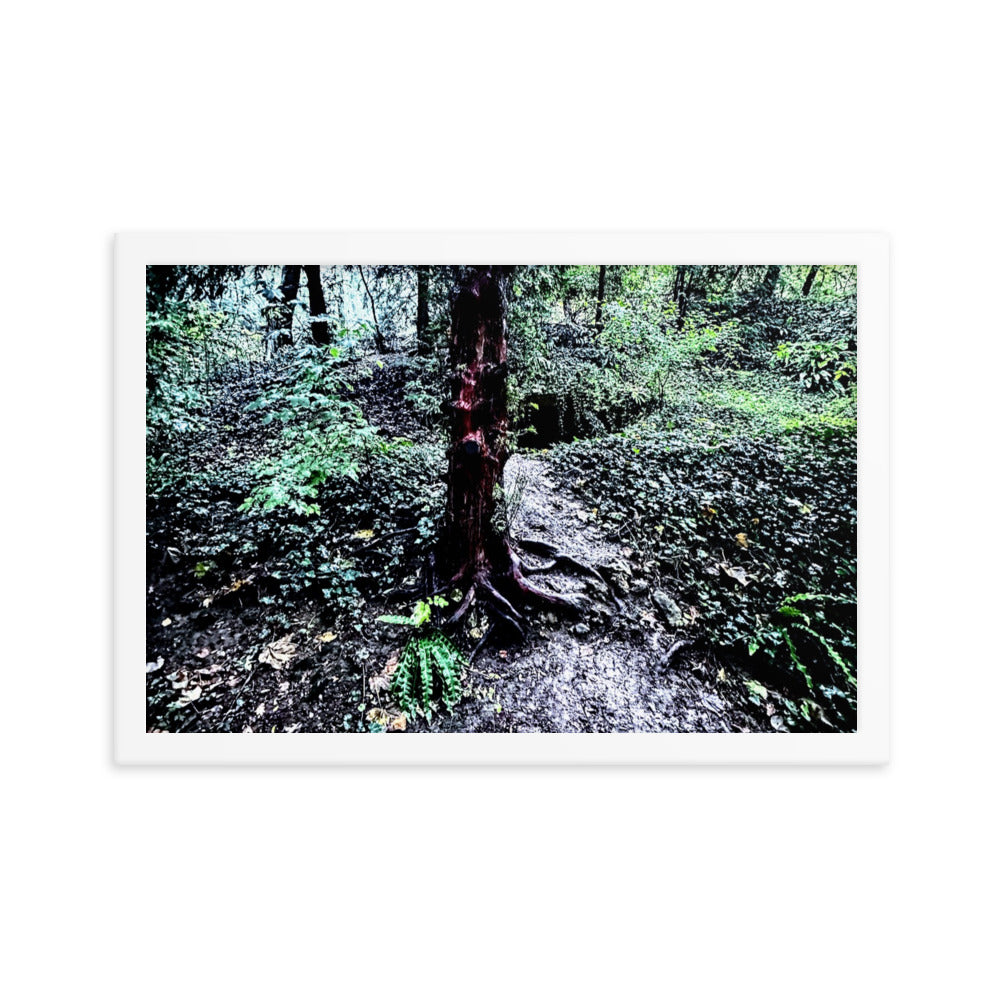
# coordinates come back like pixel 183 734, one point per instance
pixel 379 339
pixel 424 345
pixel 602 275
pixel 283 313
pixel 478 453
pixel 810 278
pixel 680 294
pixel 770 283
pixel 317 305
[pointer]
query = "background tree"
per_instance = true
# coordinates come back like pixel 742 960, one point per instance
pixel 810 278
pixel 281 313
pixel 602 275
pixel 424 344
pixel 380 341
pixel 317 305
pixel 770 283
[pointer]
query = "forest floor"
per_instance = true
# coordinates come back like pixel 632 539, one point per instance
pixel 219 663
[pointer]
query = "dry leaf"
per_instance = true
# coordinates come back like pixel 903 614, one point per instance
pixel 191 694
pixel 203 653
pixel 738 573
pixel 741 541
pixel 178 679
pixel 277 654
pixel 260 709
pixel 364 533
pixel 165 622
pixel 379 716
pixel 379 682
pixel 397 723
pixel 326 637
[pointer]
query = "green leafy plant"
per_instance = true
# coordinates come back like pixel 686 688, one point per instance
pixel 802 628
pixel 430 666
pixel 819 364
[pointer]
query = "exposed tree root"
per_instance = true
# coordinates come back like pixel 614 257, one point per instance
pixel 558 558
pixel 517 571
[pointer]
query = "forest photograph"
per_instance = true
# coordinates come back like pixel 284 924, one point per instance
pixel 389 499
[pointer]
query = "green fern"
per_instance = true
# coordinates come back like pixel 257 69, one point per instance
pixel 430 666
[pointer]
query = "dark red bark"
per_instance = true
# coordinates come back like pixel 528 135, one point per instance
pixel 476 556
pixel 478 453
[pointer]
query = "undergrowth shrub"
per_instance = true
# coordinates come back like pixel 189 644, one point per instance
pixel 819 365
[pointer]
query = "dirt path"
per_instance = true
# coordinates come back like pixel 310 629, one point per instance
pixel 607 671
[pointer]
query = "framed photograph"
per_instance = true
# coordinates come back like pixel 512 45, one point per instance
pixel 393 505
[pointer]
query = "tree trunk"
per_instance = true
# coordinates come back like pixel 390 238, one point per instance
pixel 680 294
pixel 810 278
pixel 478 453
pixel 770 283
pixel 602 276
pixel 424 345
pixel 379 339
pixel 317 305
pixel 282 314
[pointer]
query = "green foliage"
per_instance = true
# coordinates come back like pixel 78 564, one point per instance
pixel 430 666
pixel 730 500
pixel 175 399
pixel 819 364
pixel 322 437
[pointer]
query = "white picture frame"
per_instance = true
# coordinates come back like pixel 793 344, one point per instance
pixel 870 744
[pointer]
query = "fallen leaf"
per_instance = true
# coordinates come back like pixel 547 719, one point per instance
pixel 326 637
pixel 397 723
pixel 178 679
pixel 277 654
pixel 191 694
pixel 364 533
pixel 165 622
pixel 741 541
pixel 260 709
pixel 738 573
pixel 379 682
pixel 379 716
pixel 203 653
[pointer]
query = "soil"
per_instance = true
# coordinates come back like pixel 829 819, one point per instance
pixel 629 662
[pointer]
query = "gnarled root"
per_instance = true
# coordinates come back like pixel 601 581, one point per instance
pixel 557 558
pixel 517 571
pixel 509 570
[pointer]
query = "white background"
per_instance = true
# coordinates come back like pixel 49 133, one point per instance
pixel 696 882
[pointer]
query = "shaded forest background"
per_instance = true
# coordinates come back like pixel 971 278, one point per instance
pixel 691 430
